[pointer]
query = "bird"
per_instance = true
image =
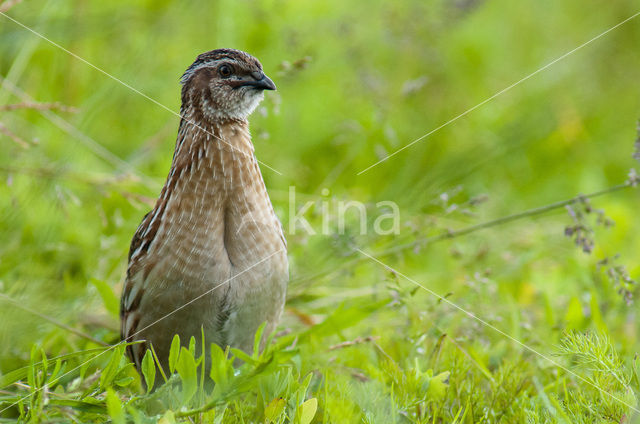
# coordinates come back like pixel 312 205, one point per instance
pixel 210 258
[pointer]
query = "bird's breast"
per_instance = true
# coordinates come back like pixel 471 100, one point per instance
pixel 217 220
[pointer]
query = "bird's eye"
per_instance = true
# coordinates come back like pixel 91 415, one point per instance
pixel 225 71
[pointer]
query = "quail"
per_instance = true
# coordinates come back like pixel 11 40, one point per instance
pixel 210 258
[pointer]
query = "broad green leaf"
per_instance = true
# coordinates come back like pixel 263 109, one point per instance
pixel 114 408
pixel 221 368
pixel 167 418
pixel 124 381
pixel 149 370
pixel 111 370
pixel 243 356
pixel 186 368
pixel 274 409
pixel 209 417
pixel 308 410
pixel 438 386
pixel 174 353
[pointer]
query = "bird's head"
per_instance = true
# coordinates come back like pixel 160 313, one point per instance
pixel 224 84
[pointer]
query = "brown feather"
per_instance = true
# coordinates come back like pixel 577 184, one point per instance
pixel 212 222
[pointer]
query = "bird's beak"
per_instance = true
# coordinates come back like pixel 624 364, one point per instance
pixel 261 81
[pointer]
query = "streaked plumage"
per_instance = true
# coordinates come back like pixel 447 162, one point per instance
pixel 213 227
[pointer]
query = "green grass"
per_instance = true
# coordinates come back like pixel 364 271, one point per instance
pixel 356 81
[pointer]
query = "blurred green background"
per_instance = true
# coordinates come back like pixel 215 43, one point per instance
pixel 356 81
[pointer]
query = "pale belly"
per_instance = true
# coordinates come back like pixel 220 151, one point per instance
pixel 224 302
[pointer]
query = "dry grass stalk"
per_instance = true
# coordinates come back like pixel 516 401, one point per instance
pixel 39 106
pixel 13 136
